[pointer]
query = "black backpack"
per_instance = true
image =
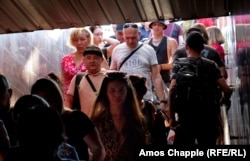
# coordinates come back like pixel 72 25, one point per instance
pixel 190 85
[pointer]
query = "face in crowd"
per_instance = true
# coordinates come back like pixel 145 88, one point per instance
pixel 80 39
pixel 131 35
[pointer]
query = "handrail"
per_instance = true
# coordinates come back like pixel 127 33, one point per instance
pixel 226 133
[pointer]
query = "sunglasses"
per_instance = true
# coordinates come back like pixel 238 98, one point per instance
pixel 132 25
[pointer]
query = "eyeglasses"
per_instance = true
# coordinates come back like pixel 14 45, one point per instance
pixel 116 74
pixel 127 25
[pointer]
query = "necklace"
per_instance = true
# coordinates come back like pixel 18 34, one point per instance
pixel 156 41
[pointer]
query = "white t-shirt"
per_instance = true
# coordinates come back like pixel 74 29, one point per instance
pixel 139 63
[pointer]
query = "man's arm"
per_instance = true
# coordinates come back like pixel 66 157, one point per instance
pixel 158 85
pixel 172 87
pixel 70 93
pixel 172 46
pixel 223 71
pixel 93 140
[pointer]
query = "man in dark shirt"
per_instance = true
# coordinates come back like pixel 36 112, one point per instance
pixel 208 52
pixel 197 116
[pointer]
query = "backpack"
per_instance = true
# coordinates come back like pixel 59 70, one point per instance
pixel 76 101
pixel 190 84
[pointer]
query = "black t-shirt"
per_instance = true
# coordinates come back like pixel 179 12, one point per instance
pixel 208 52
pixel 208 109
pixel 77 126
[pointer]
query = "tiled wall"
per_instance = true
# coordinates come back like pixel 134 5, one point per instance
pixel 24 57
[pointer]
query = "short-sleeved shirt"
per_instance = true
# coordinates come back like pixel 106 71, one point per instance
pixel 86 94
pixel 70 69
pixel 173 30
pixel 139 63
pixel 210 73
pixel 208 52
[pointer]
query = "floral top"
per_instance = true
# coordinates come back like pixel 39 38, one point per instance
pixel 119 147
pixel 70 69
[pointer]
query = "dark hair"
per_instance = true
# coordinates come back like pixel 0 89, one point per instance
pixel 203 31
pixel 139 83
pixel 53 76
pixel 4 85
pixel 93 28
pixel 195 41
pixel 25 102
pixel 130 108
pixel 193 29
pixel 102 97
pixel 51 91
pixel 41 129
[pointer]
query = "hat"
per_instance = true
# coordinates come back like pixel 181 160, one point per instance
pixel 195 41
pixel 92 49
pixel 159 21
pixel 119 28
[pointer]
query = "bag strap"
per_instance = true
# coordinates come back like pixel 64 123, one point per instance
pixel 130 55
pixel 90 83
pixel 78 79
pixel 77 82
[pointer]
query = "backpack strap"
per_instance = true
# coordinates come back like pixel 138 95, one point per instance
pixel 78 79
pixel 76 101
pixel 198 63
pixel 91 84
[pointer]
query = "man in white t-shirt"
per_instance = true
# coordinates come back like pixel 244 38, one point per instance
pixel 143 62
pixel 93 58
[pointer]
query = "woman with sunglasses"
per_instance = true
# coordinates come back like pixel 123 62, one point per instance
pixel 119 119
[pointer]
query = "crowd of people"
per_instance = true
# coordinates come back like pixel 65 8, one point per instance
pixel 117 113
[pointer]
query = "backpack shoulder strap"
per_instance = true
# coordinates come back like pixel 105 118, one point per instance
pixel 78 79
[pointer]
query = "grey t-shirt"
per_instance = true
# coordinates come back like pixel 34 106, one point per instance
pixel 139 63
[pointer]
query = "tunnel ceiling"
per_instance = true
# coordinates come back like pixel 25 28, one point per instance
pixel 31 15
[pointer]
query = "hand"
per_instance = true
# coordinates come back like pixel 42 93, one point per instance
pixel 163 107
pixel 226 102
pixel 173 124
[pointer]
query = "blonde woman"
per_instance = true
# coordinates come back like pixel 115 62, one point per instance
pixel 72 63
pixel 216 39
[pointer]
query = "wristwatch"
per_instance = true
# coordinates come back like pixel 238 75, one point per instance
pixel 164 101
